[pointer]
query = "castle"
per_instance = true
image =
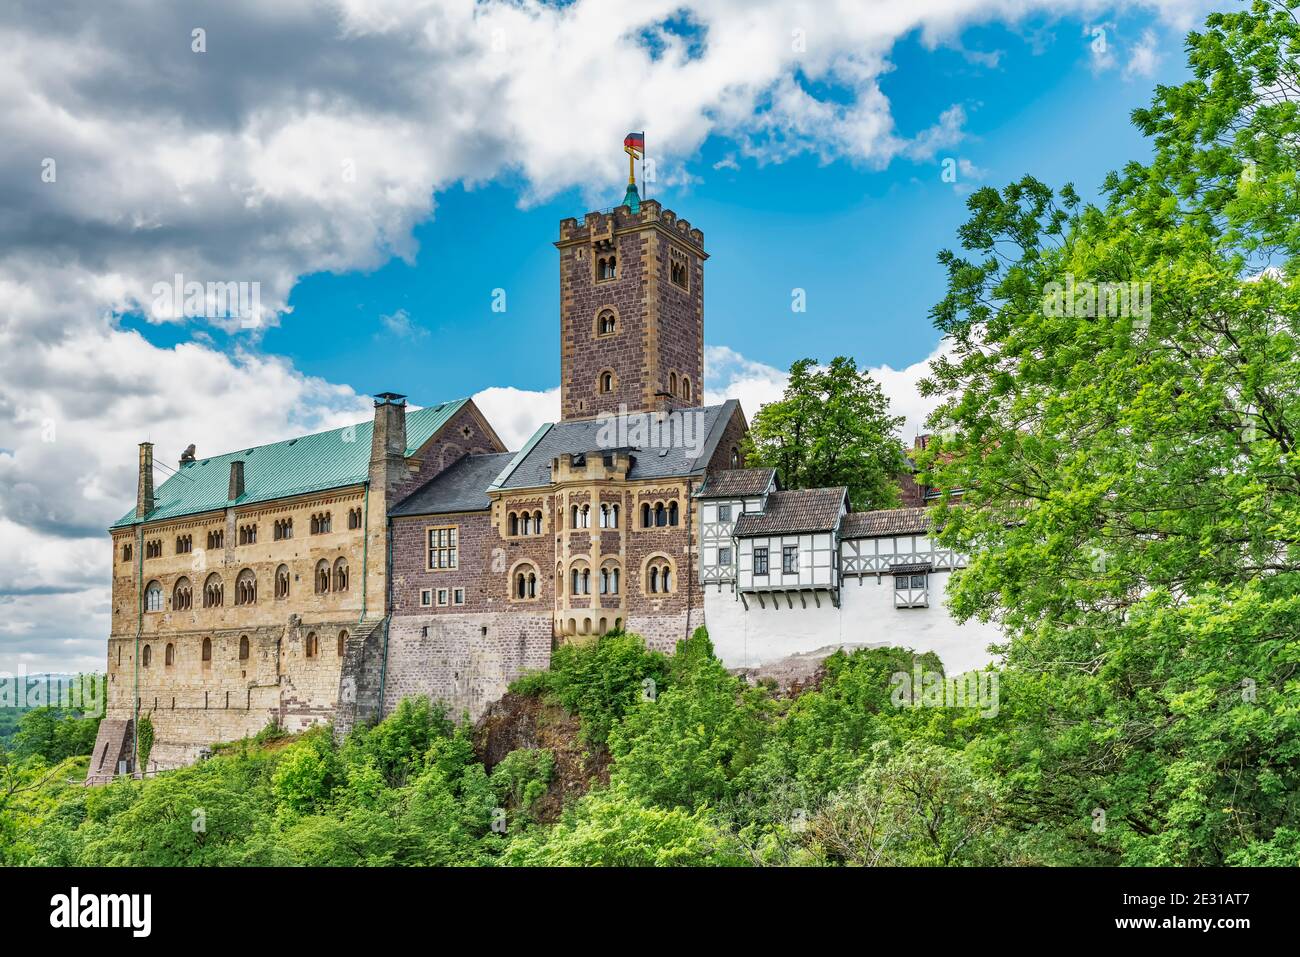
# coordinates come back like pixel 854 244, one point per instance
pixel 324 578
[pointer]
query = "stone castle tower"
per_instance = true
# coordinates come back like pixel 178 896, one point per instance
pixel 631 311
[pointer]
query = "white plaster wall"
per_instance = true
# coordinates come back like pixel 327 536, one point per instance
pixel 866 616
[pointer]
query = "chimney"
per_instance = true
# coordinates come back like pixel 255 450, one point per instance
pixel 236 480
pixel 388 443
pixel 144 500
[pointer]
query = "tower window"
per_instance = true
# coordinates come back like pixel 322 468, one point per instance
pixel 677 264
pixel 607 382
pixel 606 268
pixel 606 323
pixel 672 383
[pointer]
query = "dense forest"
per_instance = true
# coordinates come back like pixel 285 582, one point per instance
pixel 1120 403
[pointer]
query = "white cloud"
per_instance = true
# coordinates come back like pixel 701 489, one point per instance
pixel 517 413
pixel 400 325
pixel 1143 57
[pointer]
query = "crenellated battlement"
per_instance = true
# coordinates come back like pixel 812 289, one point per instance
pixel 602 224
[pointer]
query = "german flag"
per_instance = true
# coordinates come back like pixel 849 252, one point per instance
pixel 634 141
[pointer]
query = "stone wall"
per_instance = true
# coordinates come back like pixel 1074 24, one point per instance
pixel 466 660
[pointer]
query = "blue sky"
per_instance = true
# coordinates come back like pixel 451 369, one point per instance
pixel 861 241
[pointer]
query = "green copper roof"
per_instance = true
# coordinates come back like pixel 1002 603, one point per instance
pixel 310 463
pixel 632 199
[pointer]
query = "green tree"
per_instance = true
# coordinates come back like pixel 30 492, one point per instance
pixel 832 427
pixel 612 828
pixel 1129 457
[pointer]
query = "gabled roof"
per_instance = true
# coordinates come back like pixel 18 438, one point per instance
pixel 679 445
pixel 798 510
pixel 309 463
pixel 460 488
pixel 736 483
pixel 886 522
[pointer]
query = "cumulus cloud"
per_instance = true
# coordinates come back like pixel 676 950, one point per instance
pixel 313 135
pixel 1144 57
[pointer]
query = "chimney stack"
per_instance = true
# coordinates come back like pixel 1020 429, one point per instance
pixel 388 443
pixel 236 480
pixel 144 500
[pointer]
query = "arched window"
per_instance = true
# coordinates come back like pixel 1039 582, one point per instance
pixel 613 516
pixel 605 323
pixel 313 645
pixel 735 458
pixel 686 388
pixel 341 575
pixel 585 515
pixel 169 655
pixel 586 581
pixel 243 647
pixel 614 575
pixel 126 552
pixel 153 597
pixel 672 513
pixel 514 524
pixel 282 582
pixel 604 515
pixel 207 649
pixel 537 521
pixel 645 516
pixel 182 595
pixel 322 577
pixel 573 517
pixel 527 524
pixel 661 515
pixel 604 581
pixel 354 518
pixel 607 382
pixel 343 643
pixel 246 588
pixel 672 383
pixel 213 591
pixel 659 577
pixel 146 655
pixel 573 590
pixel 521 585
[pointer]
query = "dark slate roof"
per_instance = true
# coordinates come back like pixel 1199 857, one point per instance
pixel 885 522
pixel 658 448
pixel 309 463
pixel 736 483
pixel 460 488
pixel 800 510
pixel 911 568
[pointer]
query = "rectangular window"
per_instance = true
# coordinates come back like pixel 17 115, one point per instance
pixel 724 556
pixel 458 596
pixel 426 597
pixel 911 591
pixel 442 596
pixel 724 512
pixel 760 561
pixel 443 548
pixel 790 560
